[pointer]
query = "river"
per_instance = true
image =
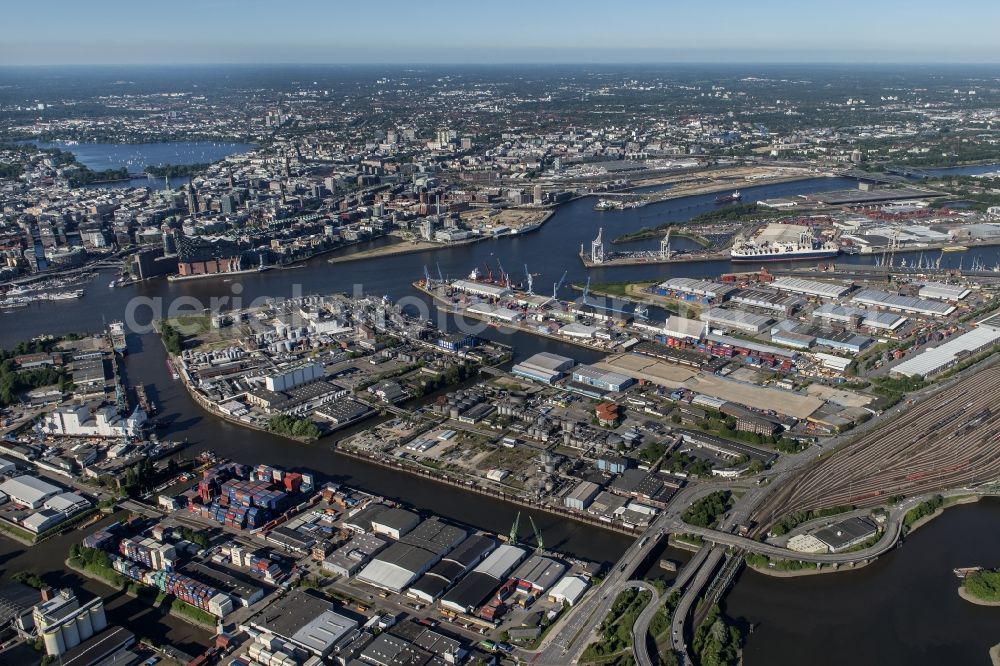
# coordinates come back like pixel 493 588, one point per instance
pixel 901 609
pixel 548 252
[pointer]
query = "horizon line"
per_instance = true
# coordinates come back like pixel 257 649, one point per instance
pixel 750 63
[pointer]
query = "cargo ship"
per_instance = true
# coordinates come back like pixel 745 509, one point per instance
pixel 735 197
pixel 116 331
pixel 807 247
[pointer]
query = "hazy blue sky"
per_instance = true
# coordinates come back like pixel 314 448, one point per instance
pixel 505 31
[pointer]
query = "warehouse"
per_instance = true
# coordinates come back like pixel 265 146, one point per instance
pixel 397 566
pixel 306 621
pixel 846 533
pixel 943 292
pixel 494 312
pixel 540 572
pixel 471 591
pixel 577 330
pixel 394 522
pixel 582 495
pixel 443 575
pixel 752 347
pixel 601 379
pixel 683 328
pixel 543 367
pixel 842 340
pixel 884 321
pixel 480 289
pixel 782 304
pixel 736 319
pixel 568 590
pixel 811 287
pixel 28 491
pixel 938 359
pixel 844 314
pixel 403 562
pixel 883 299
pixel 356 553
pixel 692 289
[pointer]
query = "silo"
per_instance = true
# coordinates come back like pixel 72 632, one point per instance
pixel 97 619
pixel 85 626
pixel 54 643
pixel 71 634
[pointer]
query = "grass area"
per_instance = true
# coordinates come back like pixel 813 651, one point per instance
pixel 620 289
pixel 16 531
pixel 707 511
pixel 615 642
pixel 983 585
pixel 764 562
pixel 793 520
pixel 189 611
pixel 659 231
pixel 922 510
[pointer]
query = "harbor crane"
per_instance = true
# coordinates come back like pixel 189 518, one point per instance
pixel 557 285
pixel 504 278
pixel 440 277
pixel 530 278
pixel 513 529
pixel 427 277
pixel 539 544
pixel 512 537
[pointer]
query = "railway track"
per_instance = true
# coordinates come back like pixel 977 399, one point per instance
pixel 949 440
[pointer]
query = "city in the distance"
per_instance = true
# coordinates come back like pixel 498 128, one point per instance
pixel 544 338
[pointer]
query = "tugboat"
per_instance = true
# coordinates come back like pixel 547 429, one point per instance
pixel 735 197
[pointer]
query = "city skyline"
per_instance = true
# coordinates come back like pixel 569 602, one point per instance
pixel 448 32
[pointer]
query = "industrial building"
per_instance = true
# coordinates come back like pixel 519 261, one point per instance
pixel 399 565
pixel 63 622
pixel 846 533
pixel 601 379
pixel 938 359
pixel 782 304
pixel 883 299
pixel 356 553
pixel 306 621
pixel 582 495
pixel 480 289
pixel 683 328
pixel 543 367
pixel 943 292
pixel 445 573
pixel 473 589
pixel 690 289
pixel 28 491
pixel 568 590
pixel 811 287
pixel 394 522
pixel 736 319
pixel 288 378
pixel 539 572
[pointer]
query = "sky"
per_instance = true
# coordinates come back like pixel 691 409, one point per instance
pixel 55 32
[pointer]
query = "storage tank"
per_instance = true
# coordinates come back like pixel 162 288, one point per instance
pixel 85 626
pixel 71 634
pixel 97 619
pixel 54 643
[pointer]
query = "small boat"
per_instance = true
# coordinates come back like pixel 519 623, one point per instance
pixel 962 572
pixel 954 248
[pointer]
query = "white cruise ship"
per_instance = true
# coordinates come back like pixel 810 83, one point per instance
pixel 806 247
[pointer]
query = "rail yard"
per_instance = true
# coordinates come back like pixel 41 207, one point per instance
pixel 947 441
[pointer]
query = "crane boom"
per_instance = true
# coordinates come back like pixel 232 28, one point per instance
pixel 513 529
pixel 538 534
